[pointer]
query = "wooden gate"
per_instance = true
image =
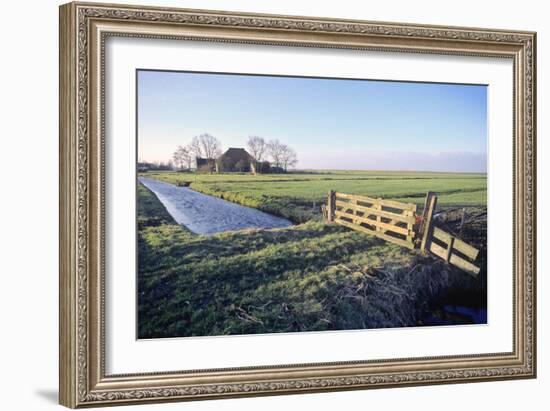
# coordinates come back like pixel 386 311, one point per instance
pixel 396 222
pixel 390 220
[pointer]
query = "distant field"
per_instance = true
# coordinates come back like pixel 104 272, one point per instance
pixel 298 196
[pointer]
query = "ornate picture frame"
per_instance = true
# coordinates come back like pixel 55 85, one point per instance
pixel 84 28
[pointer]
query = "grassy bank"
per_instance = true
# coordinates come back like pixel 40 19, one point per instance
pixel 312 276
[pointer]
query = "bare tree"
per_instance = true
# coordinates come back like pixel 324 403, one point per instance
pixel 210 146
pixel 256 147
pixel 288 157
pixel 204 146
pixel 195 147
pixel 187 157
pixel 274 148
pixel 178 157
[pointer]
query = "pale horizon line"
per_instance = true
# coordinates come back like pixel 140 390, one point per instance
pixel 350 169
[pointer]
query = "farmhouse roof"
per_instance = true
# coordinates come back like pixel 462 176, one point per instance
pixel 236 153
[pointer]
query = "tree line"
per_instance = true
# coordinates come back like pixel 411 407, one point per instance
pixel 207 146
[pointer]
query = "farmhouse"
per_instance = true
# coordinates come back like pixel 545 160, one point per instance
pixel 235 160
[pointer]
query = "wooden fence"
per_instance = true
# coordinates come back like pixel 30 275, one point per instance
pixel 390 220
pixel 454 251
pixel 398 223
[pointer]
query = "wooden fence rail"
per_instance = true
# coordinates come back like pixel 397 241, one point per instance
pixel 452 246
pixel 398 223
pixel 390 220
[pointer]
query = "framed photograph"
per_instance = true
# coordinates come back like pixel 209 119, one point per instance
pixel 259 204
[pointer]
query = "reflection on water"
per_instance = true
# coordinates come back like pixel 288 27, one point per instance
pixel 455 315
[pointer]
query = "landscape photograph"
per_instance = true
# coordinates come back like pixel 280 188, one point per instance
pixel 278 204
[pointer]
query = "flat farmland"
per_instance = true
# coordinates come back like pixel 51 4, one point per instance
pixel 298 196
pixel 311 276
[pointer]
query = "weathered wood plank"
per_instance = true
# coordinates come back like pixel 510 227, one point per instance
pixel 410 225
pixel 372 211
pixel 438 250
pixel 357 197
pixel 386 237
pixel 378 218
pixel 466 249
pixel 395 223
pixel 397 204
pixel 464 265
pixel 355 220
pixel 366 212
pixel 442 235
pixel 388 203
pixel 385 226
pixel 454 259
pixel 458 244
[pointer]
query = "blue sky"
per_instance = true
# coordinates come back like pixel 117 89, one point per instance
pixel 332 124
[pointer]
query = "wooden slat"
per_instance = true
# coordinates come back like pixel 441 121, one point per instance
pixel 372 211
pixel 394 223
pixel 410 227
pixel 466 249
pixel 442 235
pixel 459 245
pixel 398 205
pixel 386 226
pixel 356 197
pixel 378 206
pixel 389 203
pixel 464 265
pixel 438 250
pixel 386 237
pixel 355 221
pixel 454 260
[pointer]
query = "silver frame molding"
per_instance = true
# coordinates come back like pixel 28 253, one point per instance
pixel 83 30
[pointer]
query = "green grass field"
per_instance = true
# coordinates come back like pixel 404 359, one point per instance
pixel 298 196
pixel 312 276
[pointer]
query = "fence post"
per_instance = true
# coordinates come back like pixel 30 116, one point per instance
pixel 331 206
pixel 427 215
